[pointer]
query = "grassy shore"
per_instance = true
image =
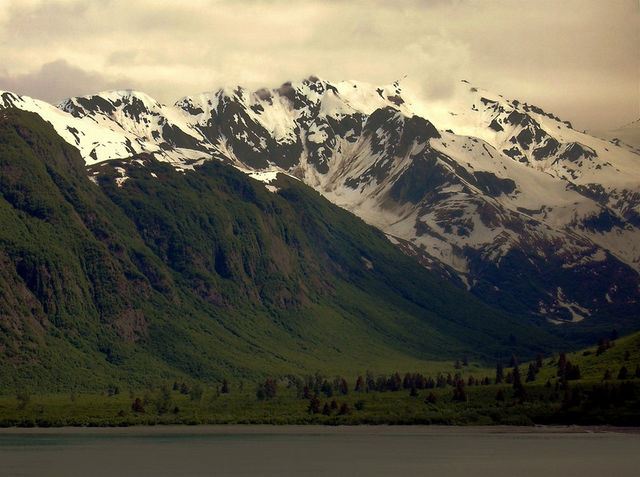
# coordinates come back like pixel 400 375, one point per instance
pixel 595 386
pixel 541 406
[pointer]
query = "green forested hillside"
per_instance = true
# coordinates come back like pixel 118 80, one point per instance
pixel 206 274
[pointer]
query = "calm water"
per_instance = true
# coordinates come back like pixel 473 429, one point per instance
pixel 311 450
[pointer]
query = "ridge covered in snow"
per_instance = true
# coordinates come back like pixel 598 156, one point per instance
pixel 498 195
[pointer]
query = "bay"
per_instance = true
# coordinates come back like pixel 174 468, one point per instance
pixel 319 451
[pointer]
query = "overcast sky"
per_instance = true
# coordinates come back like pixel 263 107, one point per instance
pixel 576 58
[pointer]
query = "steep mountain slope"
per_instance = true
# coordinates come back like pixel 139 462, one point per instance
pixel 496 195
pixel 207 274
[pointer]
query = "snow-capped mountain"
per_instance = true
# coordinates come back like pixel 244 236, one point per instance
pixel 498 195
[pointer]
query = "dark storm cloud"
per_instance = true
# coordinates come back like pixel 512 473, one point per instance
pixel 58 80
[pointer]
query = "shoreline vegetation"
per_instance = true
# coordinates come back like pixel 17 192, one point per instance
pixel 388 408
pixel 412 399
pixel 598 386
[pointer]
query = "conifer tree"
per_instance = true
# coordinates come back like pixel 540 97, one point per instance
pixel 314 405
pixel 370 382
pixel 516 377
pixel 509 378
pixel 267 390
pixel 459 393
pixel 137 406
pixel 623 373
pixel 518 388
pixel 344 387
pixel 603 345
pixel 395 382
pixel 562 364
pixel 572 371
pixel 531 373
pixel 270 387
pixel 499 374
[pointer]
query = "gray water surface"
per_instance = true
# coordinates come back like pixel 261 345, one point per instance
pixel 318 450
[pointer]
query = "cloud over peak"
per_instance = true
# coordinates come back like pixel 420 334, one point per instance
pixel 571 57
